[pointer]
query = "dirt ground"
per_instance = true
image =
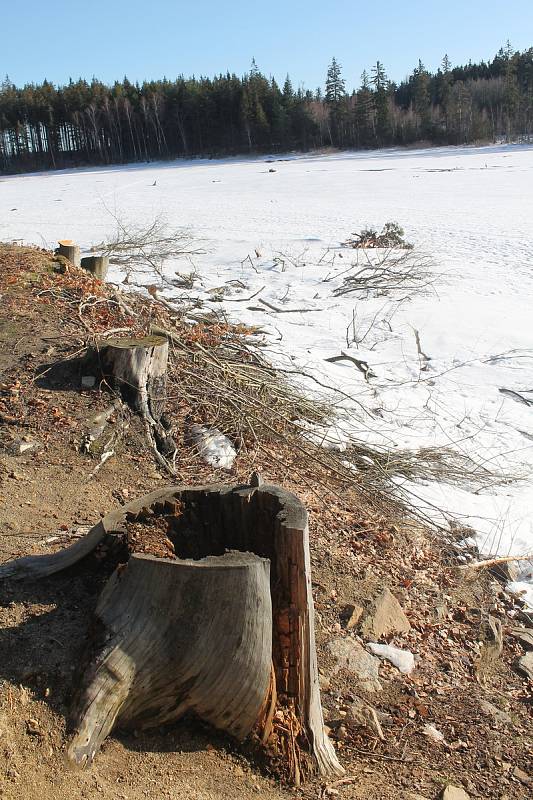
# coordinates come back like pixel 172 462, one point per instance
pixel 49 498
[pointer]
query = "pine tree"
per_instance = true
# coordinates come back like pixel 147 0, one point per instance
pixel 288 91
pixel 381 104
pixel 335 84
pixel 422 99
pixel 511 90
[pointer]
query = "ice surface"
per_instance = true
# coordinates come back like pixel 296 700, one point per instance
pixel 471 209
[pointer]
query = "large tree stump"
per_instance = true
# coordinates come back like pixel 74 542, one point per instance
pixel 210 631
pixel 179 636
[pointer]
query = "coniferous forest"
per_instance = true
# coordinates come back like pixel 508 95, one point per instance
pixel 46 126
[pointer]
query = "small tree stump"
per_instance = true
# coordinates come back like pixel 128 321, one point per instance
pixel 69 250
pixel 138 367
pixel 230 636
pixel 97 265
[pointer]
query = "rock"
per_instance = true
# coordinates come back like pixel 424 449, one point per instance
pixel 491 644
pixel 21 446
pixel 362 713
pixel 33 727
pixel 324 683
pixel 351 615
pixel 88 381
pixel 525 665
pixel 433 734
pixel 352 657
pixel 508 570
pixel 341 732
pixel 522 776
pixel 496 713
pixel 524 636
pixel 385 616
pixel 454 793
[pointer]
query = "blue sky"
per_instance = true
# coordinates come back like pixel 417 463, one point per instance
pixel 59 39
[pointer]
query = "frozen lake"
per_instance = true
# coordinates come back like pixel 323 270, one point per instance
pixel 469 209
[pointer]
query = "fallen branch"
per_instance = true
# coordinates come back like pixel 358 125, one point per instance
pixel 491 562
pixel 362 366
pixel 280 310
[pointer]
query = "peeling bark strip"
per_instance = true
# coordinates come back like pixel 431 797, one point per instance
pixel 228 635
pixel 179 636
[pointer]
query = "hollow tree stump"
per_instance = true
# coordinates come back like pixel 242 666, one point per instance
pixel 138 369
pixel 228 635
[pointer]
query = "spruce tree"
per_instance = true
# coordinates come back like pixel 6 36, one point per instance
pixel 381 104
pixel 335 84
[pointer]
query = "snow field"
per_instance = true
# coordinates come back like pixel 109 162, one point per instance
pixel 470 209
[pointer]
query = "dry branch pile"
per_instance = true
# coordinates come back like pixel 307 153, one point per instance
pixel 388 272
pixel 392 235
pixel 138 248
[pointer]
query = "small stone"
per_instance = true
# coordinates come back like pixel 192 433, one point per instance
pixel 88 381
pixel 237 770
pixel 385 616
pixel 21 446
pixel 497 714
pixel 525 665
pixel 342 732
pixel 522 776
pixel 363 714
pixel 324 683
pixel 33 727
pixel 351 615
pixel 454 793
pixel 491 647
pixel 524 636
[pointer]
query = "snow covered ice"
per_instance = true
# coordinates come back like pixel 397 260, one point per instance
pixel 470 209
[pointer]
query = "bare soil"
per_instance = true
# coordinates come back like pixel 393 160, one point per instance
pixel 49 498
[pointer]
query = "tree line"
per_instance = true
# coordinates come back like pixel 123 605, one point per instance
pixel 44 126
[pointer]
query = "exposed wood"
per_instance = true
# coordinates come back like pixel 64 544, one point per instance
pixel 71 251
pixel 362 366
pixel 263 520
pixel 177 636
pixel 98 265
pixel 137 367
pixel 491 562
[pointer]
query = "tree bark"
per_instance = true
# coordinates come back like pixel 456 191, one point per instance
pixel 71 251
pixel 98 265
pixel 137 367
pixel 177 636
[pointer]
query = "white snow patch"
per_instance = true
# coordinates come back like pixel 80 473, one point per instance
pixel 213 446
pixel 403 660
